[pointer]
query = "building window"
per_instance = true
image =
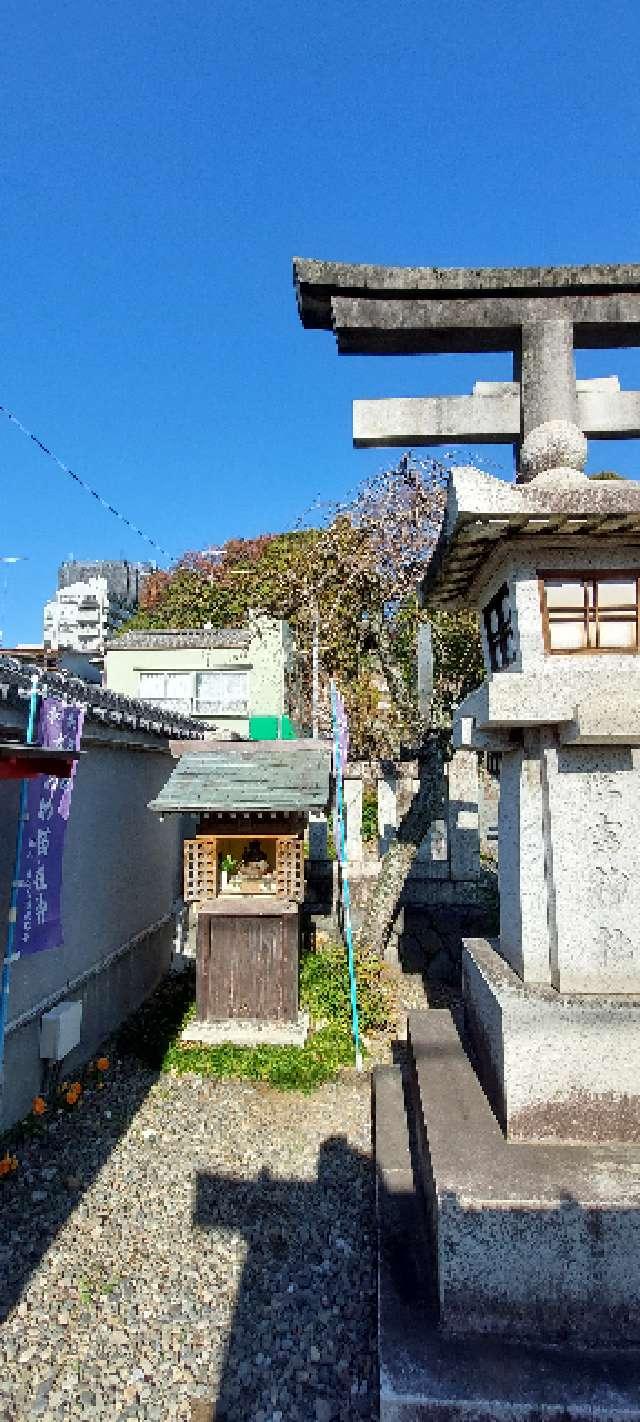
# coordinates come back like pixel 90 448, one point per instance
pixel 171 690
pixel 499 630
pixel 590 612
pixel 222 693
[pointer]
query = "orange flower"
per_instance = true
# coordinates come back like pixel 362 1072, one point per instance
pixel 102 1063
pixel 73 1094
pixel 8 1164
pixel 39 1106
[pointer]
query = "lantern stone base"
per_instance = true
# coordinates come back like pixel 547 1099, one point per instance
pixel 427 1376
pixel 556 1066
pixel 239 1033
pixel 533 1242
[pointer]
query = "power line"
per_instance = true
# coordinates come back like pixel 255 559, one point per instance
pixel 82 482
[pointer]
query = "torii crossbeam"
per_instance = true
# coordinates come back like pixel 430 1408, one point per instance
pixel 540 314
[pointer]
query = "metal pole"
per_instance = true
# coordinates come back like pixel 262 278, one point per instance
pixel 9 956
pixel 346 896
pixel 315 675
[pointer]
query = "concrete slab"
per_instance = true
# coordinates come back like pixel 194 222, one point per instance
pixel 531 1241
pixel 427 1377
pixel 248 1034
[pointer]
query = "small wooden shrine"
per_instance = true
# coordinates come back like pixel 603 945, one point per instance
pixel 244 873
pixel 245 853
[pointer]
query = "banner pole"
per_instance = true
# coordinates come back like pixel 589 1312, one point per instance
pixel 344 876
pixel 9 956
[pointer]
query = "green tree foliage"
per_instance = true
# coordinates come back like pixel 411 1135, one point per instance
pixel 458 666
pixel 355 577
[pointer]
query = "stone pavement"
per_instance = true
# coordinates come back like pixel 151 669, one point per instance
pixel 184 1250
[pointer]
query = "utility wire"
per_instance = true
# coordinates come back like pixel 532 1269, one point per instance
pixel 82 482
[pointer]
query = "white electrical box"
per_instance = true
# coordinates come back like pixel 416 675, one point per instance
pixel 60 1030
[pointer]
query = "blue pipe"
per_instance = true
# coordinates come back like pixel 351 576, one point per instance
pixel 10 956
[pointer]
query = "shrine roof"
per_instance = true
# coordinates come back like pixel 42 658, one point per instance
pixel 317 283
pixel 258 775
pixel 483 511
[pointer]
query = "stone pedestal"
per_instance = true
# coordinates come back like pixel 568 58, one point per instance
pixel 531 1242
pixel 556 1066
pixel 569 854
pixel 429 1375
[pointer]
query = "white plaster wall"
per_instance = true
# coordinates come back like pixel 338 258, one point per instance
pixel 121 875
pixel 269 650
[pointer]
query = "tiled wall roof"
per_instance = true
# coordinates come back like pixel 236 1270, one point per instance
pixel 105 707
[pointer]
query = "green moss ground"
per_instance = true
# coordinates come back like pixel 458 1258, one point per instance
pixel 153 1033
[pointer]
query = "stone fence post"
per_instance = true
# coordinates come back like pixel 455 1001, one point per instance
pixel 353 816
pixel 318 831
pixel 387 807
pixel 463 816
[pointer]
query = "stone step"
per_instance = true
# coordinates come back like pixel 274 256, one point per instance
pixel 531 1241
pixel 426 1376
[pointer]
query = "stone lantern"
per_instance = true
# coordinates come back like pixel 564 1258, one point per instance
pixel 553 567
pixel 552 1007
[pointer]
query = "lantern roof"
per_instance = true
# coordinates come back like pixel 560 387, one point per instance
pixel 484 513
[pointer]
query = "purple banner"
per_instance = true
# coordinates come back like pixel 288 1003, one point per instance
pixel 47 801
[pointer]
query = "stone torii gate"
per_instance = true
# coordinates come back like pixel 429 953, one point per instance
pixel 540 314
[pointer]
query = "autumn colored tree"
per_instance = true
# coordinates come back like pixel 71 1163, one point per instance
pixel 354 580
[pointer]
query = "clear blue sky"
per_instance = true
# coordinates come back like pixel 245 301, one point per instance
pixel 162 164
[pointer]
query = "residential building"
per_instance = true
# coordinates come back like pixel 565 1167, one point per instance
pixel 235 679
pixel 91 602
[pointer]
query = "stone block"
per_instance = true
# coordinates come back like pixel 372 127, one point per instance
pixel 245 1033
pixel 532 1242
pixel 600 722
pixel 558 1066
pixel 590 808
pixel 570 864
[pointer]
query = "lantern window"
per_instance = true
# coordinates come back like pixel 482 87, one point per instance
pixel 590 612
pixel 499 630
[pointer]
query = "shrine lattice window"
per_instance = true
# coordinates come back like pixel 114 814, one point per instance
pixel 590 612
pixel 499 630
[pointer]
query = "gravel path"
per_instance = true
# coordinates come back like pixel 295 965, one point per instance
pixel 186 1249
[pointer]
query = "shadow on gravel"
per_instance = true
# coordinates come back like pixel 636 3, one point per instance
pixel 301 1343
pixel 56 1166
pixel 61 1155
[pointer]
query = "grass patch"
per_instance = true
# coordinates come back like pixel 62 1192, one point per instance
pixel 153 1033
